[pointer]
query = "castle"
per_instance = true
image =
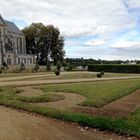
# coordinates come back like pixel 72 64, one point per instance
pixel 13 45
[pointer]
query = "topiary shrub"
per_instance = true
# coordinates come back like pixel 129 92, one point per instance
pixel 57 72
pixel 102 72
pixel 99 75
pixel 58 67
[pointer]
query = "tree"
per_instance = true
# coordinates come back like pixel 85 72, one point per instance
pixel 45 42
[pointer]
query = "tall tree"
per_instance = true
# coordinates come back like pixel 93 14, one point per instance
pixel 45 42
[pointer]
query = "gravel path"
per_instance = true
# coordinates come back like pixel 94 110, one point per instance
pixel 39 82
pixel 16 125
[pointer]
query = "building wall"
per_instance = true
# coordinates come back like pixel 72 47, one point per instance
pixel 19 55
pixel 2 42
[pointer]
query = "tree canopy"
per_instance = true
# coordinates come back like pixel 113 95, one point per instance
pixel 45 42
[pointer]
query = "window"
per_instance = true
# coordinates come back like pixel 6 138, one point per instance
pixel 8 61
pixel 19 60
pixel 21 45
pixel 24 60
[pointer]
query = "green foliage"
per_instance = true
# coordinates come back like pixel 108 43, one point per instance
pixel 69 67
pixel 44 41
pixel 22 67
pixel 99 75
pixel 58 66
pixel 4 67
pixel 115 68
pixel 42 98
pixel 57 72
pixel 36 67
pixel 48 66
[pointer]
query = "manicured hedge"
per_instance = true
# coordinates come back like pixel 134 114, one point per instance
pixel 118 68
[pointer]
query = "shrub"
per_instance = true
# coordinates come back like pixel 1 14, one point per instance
pixel 99 75
pixel 37 67
pixel 102 72
pixel 48 66
pixel 69 67
pixel 4 66
pixel 58 66
pixel 22 67
pixel 116 68
pixel 57 72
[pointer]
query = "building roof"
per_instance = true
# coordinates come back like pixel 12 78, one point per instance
pixel 2 21
pixel 13 28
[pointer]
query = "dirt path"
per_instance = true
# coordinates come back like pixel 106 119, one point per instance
pixel 121 107
pixel 30 91
pixel 37 76
pixel 39 82
pixel 71 100
pixel 16 125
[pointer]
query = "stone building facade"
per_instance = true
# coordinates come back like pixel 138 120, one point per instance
pixel 13 45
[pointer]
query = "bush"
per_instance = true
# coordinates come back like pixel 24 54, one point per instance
pixel 4 66
pixel 116 68
pixel 99 75
pixel 58 66
pixel 57 72
pixel 102 72
pixel 22 67
pixel 36 67
pixel 69 67
pixel 48 65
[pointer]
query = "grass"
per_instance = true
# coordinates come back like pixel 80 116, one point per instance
pixel 9 96
pixel 42 98
pixel 97 93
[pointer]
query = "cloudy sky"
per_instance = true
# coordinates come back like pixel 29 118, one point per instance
pixel 100 29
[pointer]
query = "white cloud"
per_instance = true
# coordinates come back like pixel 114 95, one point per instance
pixel 133 3
pixel 97 42
pixel 76 18
pixel 126 44
pixel 73 17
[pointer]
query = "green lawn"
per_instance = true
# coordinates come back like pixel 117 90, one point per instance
pixel 98 93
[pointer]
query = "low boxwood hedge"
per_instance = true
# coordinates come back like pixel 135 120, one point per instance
pixel 116 68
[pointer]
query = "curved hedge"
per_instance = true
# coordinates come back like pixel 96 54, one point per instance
pixel 116 68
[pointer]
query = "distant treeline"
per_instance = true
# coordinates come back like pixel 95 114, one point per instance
pixel 84 62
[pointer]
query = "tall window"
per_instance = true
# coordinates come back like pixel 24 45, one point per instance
pixel 8 61
pixel 21 45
